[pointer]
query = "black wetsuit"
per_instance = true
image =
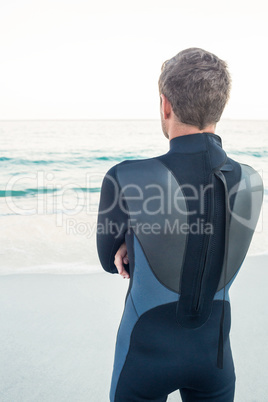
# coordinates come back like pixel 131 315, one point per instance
pixel 187 217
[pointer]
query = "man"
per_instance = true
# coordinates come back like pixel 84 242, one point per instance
pixel 179 225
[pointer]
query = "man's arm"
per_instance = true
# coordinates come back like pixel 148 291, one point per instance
pixel 120 259
pixel 112 221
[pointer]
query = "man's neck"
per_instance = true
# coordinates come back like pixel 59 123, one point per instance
pixel 179 129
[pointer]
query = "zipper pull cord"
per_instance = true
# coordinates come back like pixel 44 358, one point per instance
pixel 221 176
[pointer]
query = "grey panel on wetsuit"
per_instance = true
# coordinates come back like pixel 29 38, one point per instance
pixel 244 218
pixel 157 210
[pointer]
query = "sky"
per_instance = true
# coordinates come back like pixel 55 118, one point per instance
pixel 77 59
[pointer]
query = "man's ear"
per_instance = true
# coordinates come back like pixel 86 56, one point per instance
pixel 165 106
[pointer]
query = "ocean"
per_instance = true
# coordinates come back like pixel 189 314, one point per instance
pixel 51 170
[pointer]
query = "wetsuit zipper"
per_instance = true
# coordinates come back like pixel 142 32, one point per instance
pixel 204 257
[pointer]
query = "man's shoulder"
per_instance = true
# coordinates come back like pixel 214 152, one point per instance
pixel 130 163
pixel 245 174
pixel 243 166
pixel 133 162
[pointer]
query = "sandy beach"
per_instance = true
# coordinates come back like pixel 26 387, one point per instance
pixel 58 334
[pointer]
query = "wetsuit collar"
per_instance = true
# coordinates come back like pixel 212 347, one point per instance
pixel 200 142
pixel 193 142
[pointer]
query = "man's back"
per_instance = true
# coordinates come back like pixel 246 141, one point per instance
pixel 187 218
